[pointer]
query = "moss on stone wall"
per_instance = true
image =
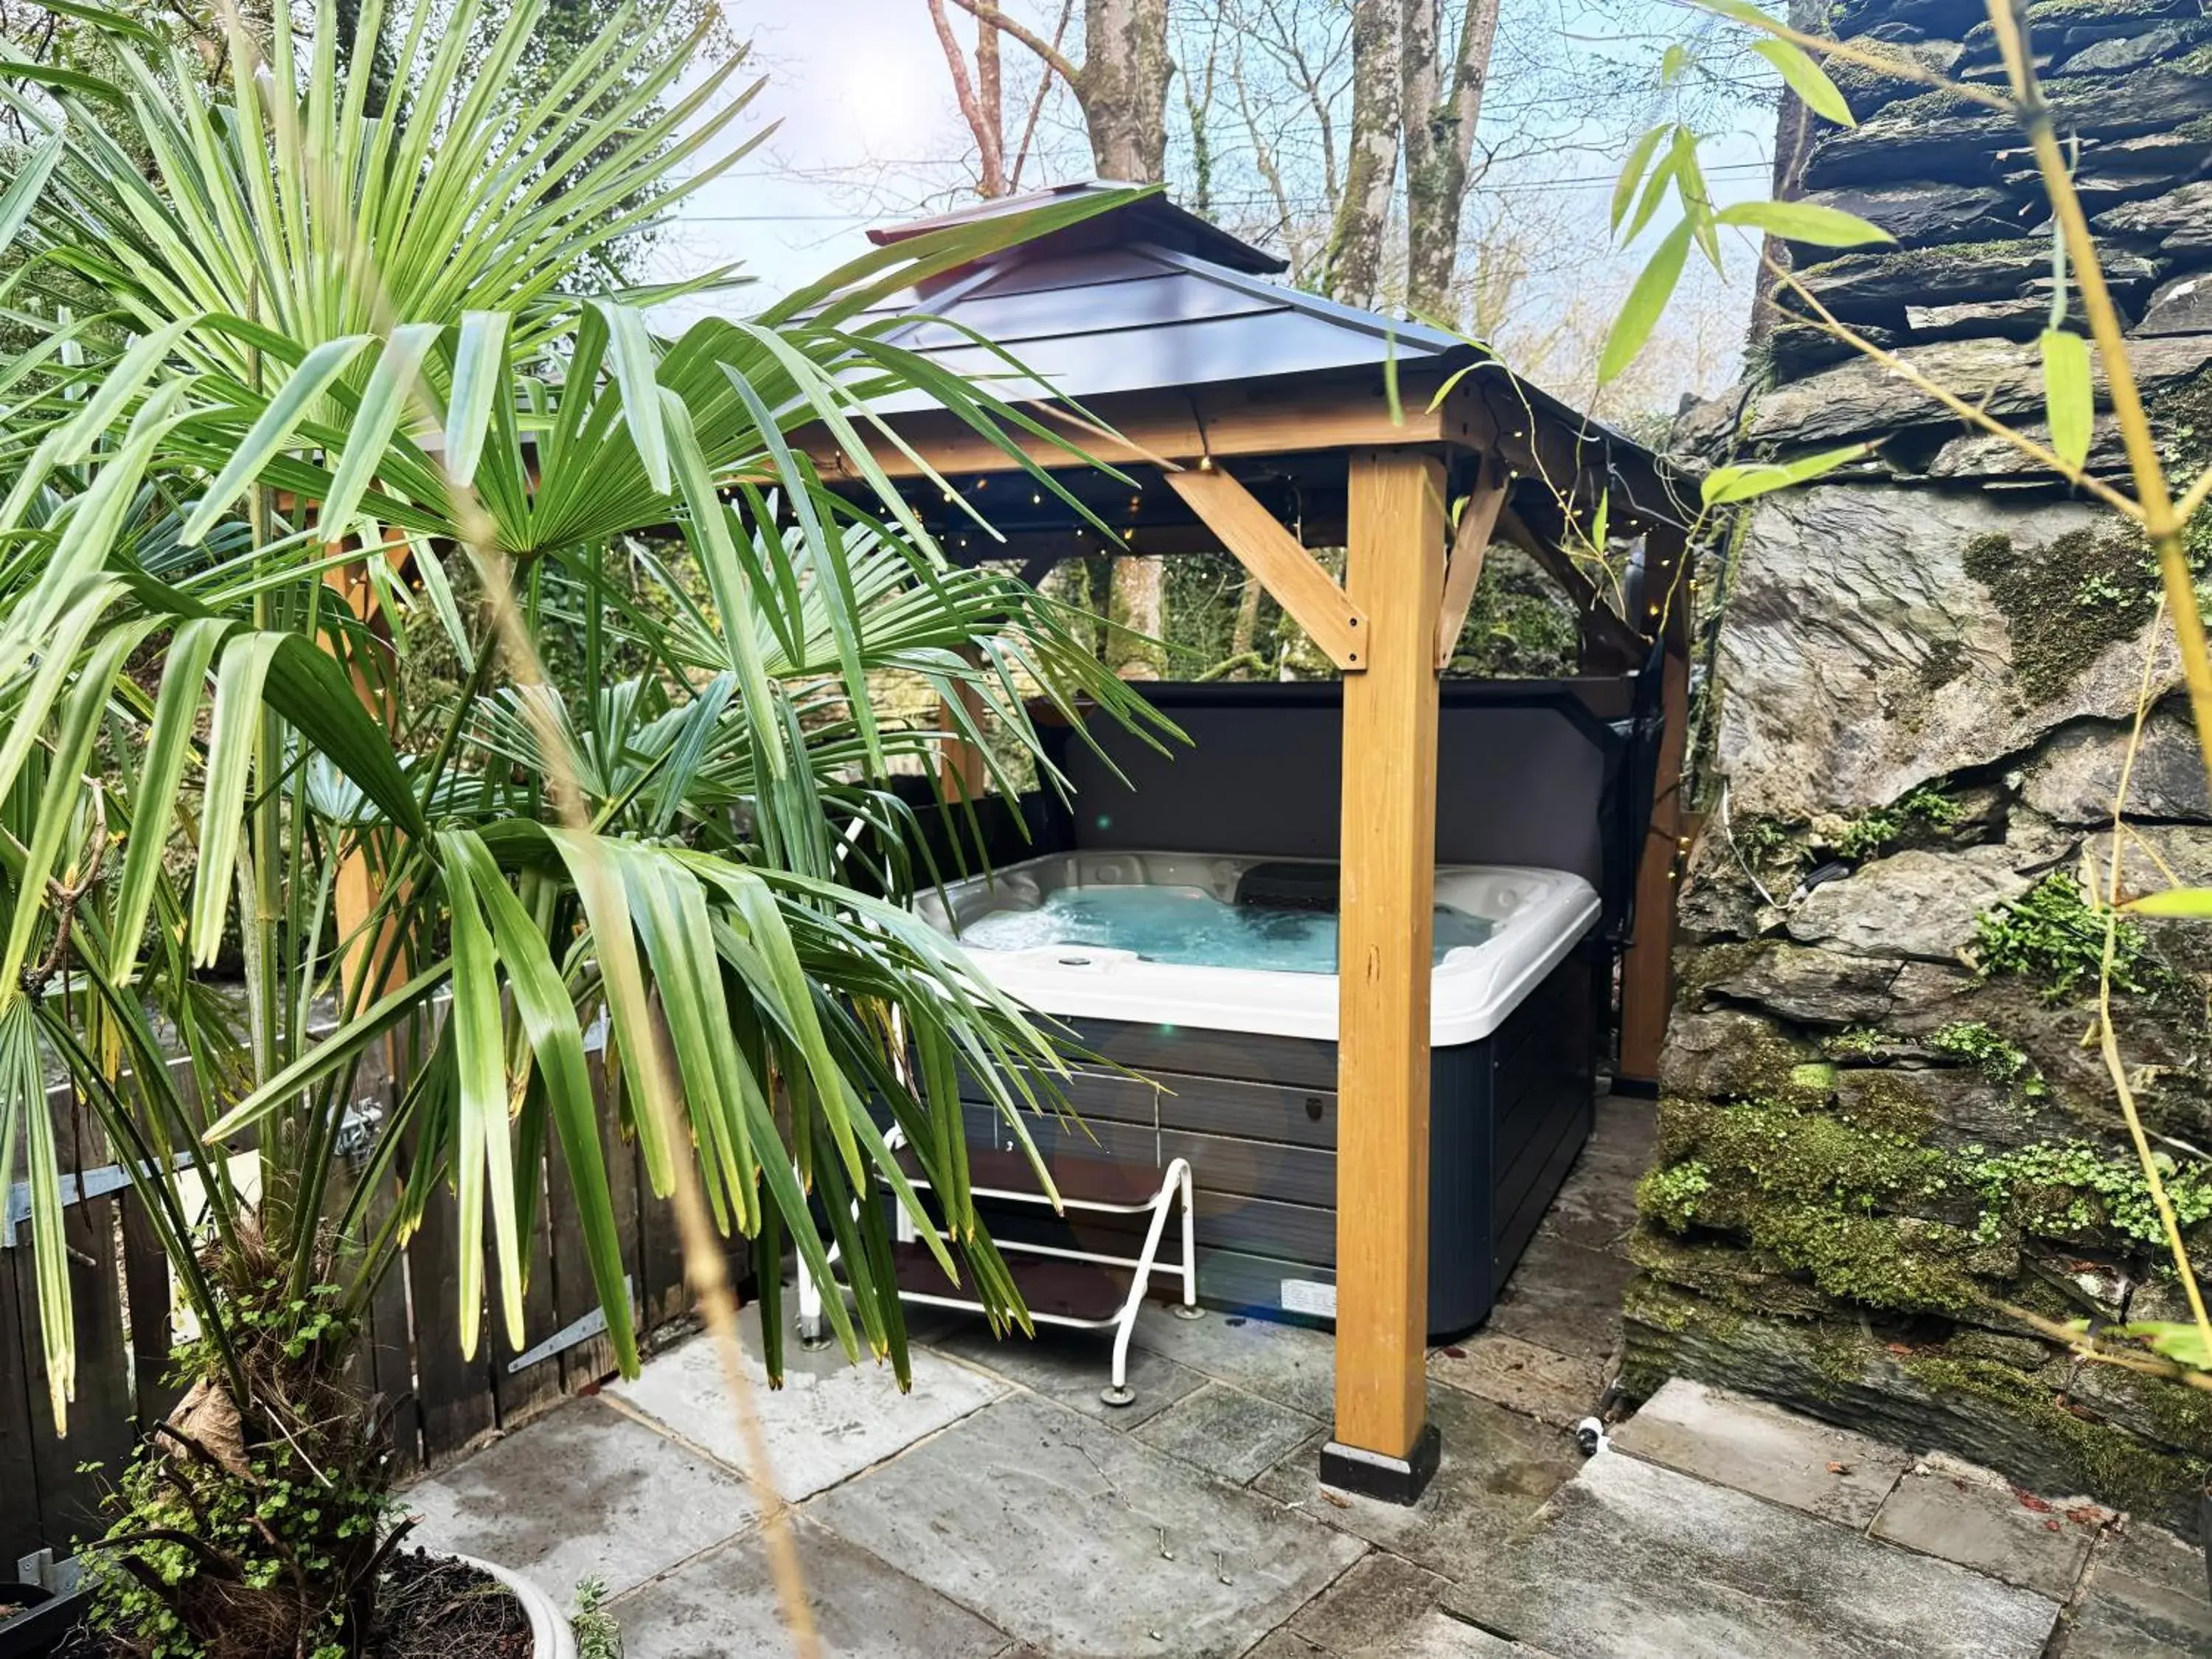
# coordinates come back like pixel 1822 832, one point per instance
pixel 2104 1458
pixel 2064 602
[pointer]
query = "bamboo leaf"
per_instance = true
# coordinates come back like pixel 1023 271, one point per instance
pixel 2068 399
pixel 1727 484
pixel 1632 170
pixel 1646 304
pixel 1807 80
pixel 2191 901
pixel 1805 221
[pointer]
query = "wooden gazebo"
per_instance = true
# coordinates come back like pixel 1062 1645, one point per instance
pixel 1262 420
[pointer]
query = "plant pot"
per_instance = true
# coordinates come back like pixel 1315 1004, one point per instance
pixel 549 1626
pixel 37 1631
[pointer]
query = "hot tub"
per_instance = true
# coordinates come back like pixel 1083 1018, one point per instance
pixel 1213 978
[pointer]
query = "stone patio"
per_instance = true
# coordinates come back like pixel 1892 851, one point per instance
pixel 999 1508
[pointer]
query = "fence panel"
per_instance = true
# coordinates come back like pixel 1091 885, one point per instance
pixel 439 1403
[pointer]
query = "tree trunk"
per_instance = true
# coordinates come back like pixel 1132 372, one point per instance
pixel 1137 609
pixel 1441 116
pixel 1124 90
pixel 1353 269
pixel 1247 628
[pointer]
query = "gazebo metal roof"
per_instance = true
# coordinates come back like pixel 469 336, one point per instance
pixel 1148 299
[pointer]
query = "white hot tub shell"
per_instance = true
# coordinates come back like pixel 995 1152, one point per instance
pixel 1538 916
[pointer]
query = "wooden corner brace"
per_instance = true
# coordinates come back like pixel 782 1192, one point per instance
pixel 1477 520
pixel 1293 575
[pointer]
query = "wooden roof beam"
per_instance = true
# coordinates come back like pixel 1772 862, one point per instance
pixel 1599 618
pixel 1292 576
pixel 1478 520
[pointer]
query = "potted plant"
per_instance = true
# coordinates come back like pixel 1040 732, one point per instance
pixel 385 613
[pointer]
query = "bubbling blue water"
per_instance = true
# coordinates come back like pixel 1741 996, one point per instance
pixel 1191 928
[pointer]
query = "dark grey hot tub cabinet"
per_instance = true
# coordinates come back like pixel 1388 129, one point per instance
pixel 1552 773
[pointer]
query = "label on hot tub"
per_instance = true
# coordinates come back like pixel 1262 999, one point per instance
pixel 1309 1296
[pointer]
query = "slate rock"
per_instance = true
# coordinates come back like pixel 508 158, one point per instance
pixel 1949 19
pixel 2179 224
pixel 1954 143
pixel 2075 773
pixel 1497 1469
pixel 1924 213
pixel 2115 170
pixel 1726 1051
pixel 1868 90
pixel 1942 135
pixel 2003 319
pixel 2146 1599
pixel 1916 903
pixel 1979 454
pixel 2114 54
pixel 1797 347
pixel 1859 399
pixel 1878 286
pixel 1862 658
pixel 1808 985
pixel 2183 306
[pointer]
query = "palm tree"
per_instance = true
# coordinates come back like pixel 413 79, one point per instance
pixel 321 402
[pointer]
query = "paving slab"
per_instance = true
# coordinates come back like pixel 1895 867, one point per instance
pixel 1497 1468
pixel 1565 1297
pixel 1628 1127
pixel 1083 1542
pixel 1440 1636
pixel 1630 1560
pixel 1554 1387
pixel 1762 1449
pixel 1597 1205
pixel 1963 1514
pixel 723 1603
pixel 583 1493
pixel 2146 1599
pixel 1227 1432
pixel 1287 1364
pixel 829 1421
pixel 1378 1601
pixel 1072 1367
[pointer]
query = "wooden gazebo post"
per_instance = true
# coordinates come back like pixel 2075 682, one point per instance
pixel 1383 1443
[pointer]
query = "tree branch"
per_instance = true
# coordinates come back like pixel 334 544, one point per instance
pixel 1054 60
pixel 987 140
pixel 1037 104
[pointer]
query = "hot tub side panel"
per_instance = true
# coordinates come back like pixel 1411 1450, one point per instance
pixel 1256 1117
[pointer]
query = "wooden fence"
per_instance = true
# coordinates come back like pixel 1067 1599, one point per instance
pixel 50 1487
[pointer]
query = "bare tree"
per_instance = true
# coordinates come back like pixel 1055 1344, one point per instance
pixel 1442 106
pixel 1353 271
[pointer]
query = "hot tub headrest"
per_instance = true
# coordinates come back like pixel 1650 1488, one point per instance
pixel 1300 886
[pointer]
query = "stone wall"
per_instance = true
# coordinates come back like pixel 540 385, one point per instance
pixel 1881 1134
